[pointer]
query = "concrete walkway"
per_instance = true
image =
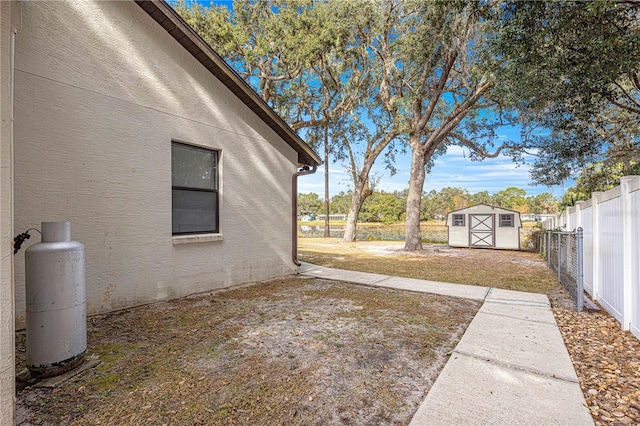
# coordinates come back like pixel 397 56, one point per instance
pixel 510 368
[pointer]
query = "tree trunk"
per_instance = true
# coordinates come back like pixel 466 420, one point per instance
pixel 327 231
pixel 413 239
pixel 360 194
pixel 352 222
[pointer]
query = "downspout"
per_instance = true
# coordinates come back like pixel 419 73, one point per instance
pixel 294 210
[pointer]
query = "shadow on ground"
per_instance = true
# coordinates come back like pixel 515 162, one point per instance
pixel 288 351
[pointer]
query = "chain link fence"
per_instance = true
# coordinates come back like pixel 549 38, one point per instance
pixel 563 251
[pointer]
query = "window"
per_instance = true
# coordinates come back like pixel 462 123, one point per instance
pixel 458 220
pixel 506 220
pixel 194 187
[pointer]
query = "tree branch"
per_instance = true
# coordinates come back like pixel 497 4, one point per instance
pixel 629 97
pixel 424 119
pixel 477 149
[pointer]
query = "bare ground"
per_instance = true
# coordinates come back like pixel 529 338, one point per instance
pixel 315 352
pixel 605 357
pixel 289 351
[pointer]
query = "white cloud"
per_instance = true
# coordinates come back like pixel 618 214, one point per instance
pixel 454 169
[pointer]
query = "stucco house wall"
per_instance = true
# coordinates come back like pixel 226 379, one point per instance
pixel 503 237
pixel 101 92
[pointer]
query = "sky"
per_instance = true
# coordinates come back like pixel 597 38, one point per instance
pixel 454 169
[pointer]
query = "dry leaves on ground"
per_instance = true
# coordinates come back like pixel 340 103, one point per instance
pixel 606 360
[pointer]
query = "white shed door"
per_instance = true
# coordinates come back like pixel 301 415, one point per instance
pixel 481 227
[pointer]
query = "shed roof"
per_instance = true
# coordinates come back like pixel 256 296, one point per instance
pixel 169 19
pixel 485 205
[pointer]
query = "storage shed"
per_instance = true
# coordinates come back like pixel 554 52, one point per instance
pixel 484 226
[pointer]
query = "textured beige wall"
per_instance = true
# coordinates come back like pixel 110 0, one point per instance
pixel 7 347
pixel 101 91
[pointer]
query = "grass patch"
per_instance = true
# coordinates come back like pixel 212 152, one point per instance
pixel 511 270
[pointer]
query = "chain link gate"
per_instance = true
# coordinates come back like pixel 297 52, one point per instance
pixel 564 254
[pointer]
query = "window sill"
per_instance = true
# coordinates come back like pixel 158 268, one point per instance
pixel 202 238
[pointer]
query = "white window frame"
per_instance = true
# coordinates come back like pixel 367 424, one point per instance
pixel 507 220
pixel 457 217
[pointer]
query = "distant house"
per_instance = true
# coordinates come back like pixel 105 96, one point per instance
pixel 336 216
pixel 536 217
pixel 484 226
pixel 173 172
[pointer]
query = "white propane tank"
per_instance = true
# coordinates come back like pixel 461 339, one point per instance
pixel 56 302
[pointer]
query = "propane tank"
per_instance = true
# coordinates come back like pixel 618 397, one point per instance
pixel 56 302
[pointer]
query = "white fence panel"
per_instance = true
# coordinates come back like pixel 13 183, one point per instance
pixel 611 291
pixel 611 262
pixel 562 223
pixel 571 224
pixel 587 229
pixel 634 204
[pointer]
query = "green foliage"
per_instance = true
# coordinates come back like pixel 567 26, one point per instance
pixel 385 207
pixel 544 203
pixel 600 176
pixel 455 198
pixel 432 206
pixel 302 57
pixel 340 203
pixel 310 204
pixel 512 198
pixel 438 89
pixel 315 63
pixel 482 197
pixel 389 207
pixel 572 68
pixel 368 79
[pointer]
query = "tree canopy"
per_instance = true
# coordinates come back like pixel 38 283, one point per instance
pixel 572 69
pixel 439 84
pixel 389 207
pixel 312 61
pixel 370 78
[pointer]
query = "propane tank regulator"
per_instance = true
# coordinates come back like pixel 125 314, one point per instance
pixel 21 238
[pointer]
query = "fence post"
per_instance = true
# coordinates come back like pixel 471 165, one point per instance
pixel 580 272
pixel 631 185
pixel 563 219
pixel 579 213
pixel 559 257
pixel 629 259
pixel 548 249
pixel 570 226
pixel 596 254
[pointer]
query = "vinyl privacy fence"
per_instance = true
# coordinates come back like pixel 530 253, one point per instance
pixel 611 264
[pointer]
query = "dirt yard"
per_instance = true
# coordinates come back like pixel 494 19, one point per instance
pixel 604 356
pixel 290 351
pixel 297 351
